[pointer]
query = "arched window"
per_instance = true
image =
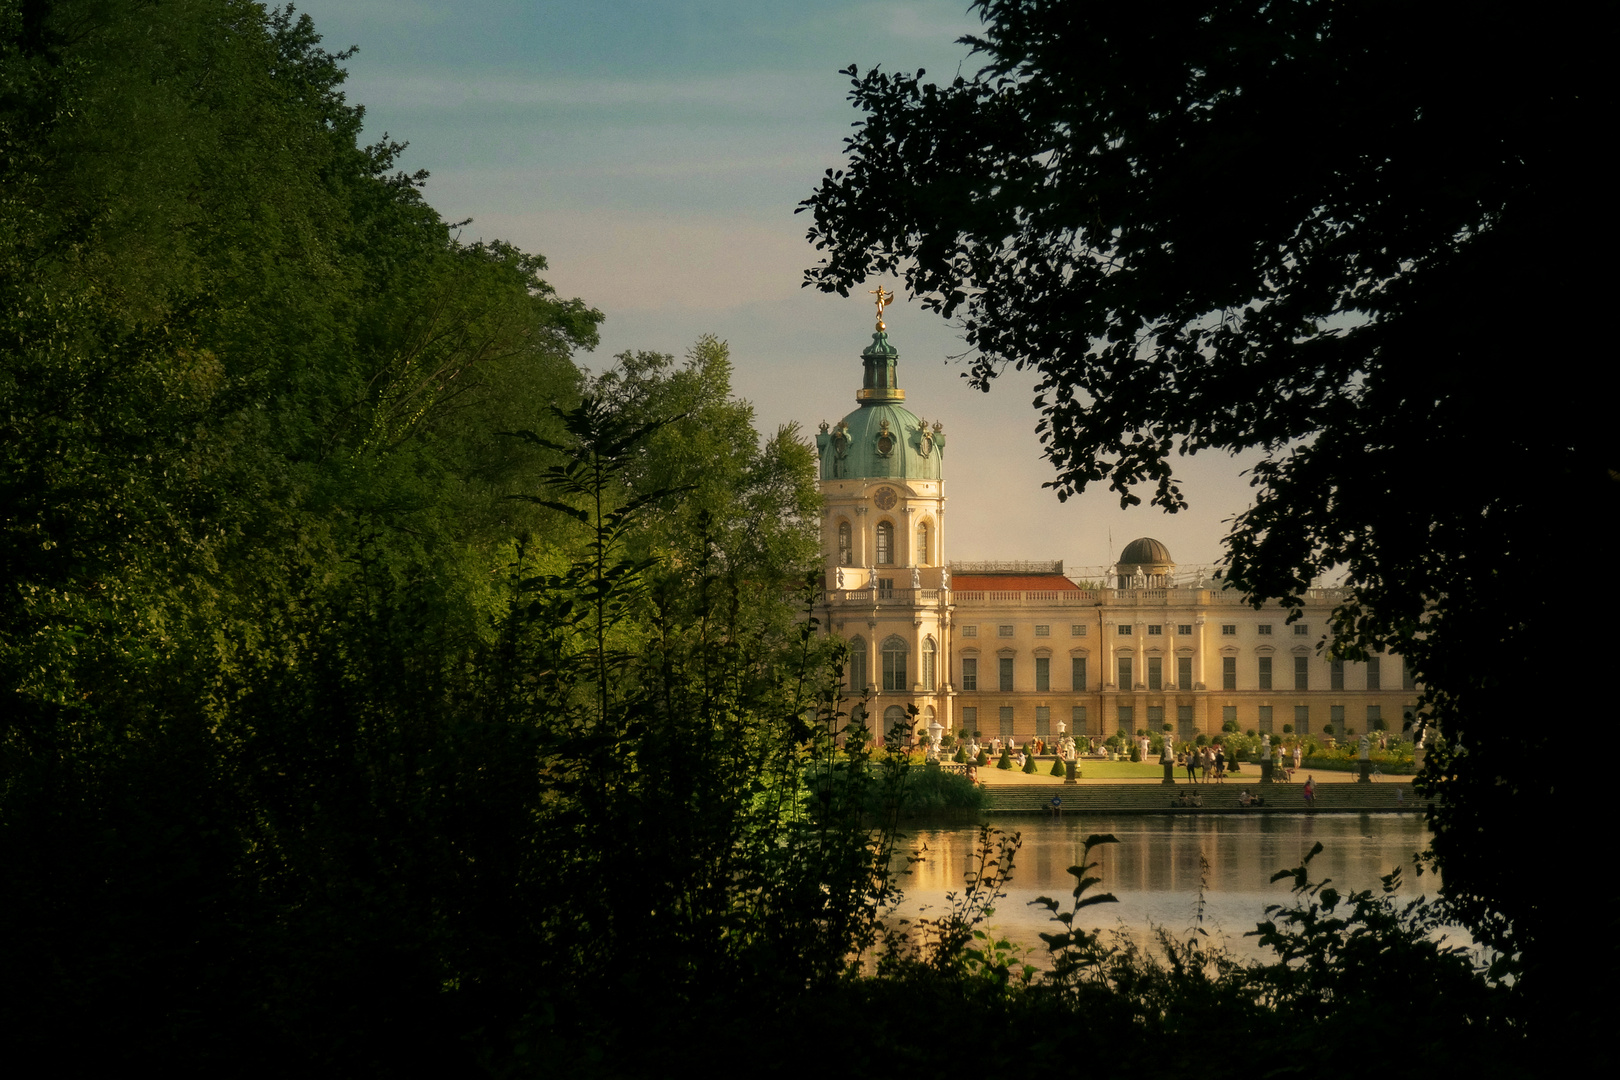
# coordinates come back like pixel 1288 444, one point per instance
pixel 885 543
pixel 930 653
pixel 846 545
pixel 893 715
pixel 894 665
pixel 922 545
pixel 857 665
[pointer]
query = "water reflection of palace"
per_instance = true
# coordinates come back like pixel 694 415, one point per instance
pixel 1019 650
pixel 1157 867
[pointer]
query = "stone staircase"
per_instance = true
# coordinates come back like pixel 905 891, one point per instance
pixel 1150 798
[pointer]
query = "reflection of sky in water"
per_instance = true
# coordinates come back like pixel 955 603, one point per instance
pixel 1154 869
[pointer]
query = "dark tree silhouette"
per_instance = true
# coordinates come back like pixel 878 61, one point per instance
pixel 1346 234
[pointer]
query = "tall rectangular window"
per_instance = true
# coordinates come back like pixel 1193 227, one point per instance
pixel 1155 673
pixel 1228 673
pixel 1375 717
pixel 1336 717
pixel 1408 677
pixel 1004 669
pixel 1375 677
pixel 1265 719
pixel 1335 674
pixel 1077 721
pixel 1077 672
pixel 1184 722
pixel 1265 673
pixel 1228 715
pixel 1302 719
pixel 1155 718
pixel 970 673
pixel 1124 673
pixel 1043 720
pixel 1006 722
pixel 1184 677
pixel 857 666
pixel 1043 673
pixel 1127 718
pixel 894 668
pixel 1302 673
pixel 970 719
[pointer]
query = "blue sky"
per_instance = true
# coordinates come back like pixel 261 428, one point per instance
pixel 654 151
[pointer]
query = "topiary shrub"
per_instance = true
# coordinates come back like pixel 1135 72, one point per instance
pixel 1136 751
pixel 960 757
pixel 1029 762
pixel 1288 729
pixel 1380 724
pixel 1202 740
pixel 1327 729
pixel 1231 727
pixel 1006 759
pixel 983 759
pixel 1058 767
pixel 1251 733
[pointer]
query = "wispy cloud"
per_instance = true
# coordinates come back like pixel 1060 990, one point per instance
pixel 756 93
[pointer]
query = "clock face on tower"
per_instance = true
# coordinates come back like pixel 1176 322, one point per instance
pixel 885 498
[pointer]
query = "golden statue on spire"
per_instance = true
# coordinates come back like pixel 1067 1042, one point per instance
pixel 884 299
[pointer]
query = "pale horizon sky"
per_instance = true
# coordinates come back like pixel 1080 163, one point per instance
pixel 654 151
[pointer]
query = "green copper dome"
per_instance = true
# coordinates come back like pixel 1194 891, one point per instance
pixel 882 439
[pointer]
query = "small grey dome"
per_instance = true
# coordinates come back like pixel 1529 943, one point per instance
pixel 1145 551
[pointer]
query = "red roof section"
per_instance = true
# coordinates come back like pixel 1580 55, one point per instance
pixel 1013 582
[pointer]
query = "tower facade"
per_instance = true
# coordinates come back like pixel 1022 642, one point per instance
pixel 883 535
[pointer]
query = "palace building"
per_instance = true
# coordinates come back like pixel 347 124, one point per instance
pixel 1019 650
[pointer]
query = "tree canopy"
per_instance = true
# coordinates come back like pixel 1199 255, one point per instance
pixel 1343 233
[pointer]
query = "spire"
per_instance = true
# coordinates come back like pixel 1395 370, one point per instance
pixel 880 383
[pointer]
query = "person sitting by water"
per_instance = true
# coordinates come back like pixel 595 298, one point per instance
pixel 1245 799
pixel 1055 807
pixel 1310 792
pixel 1198 798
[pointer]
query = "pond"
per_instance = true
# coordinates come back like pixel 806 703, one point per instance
pixel 1160 861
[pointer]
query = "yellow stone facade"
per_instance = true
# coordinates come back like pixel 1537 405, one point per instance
pixel 1020 651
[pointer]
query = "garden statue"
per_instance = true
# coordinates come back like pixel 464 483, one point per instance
pixel 916 578
pixel 1364 748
